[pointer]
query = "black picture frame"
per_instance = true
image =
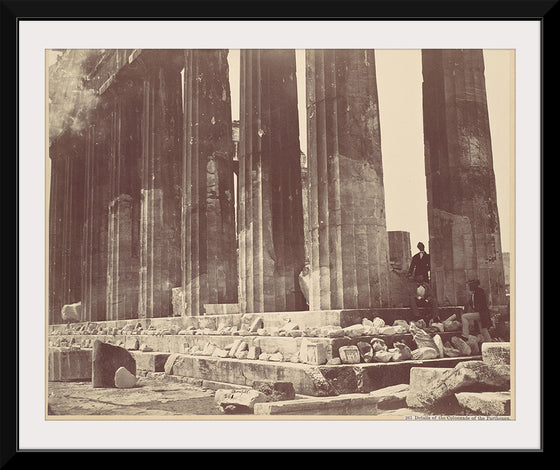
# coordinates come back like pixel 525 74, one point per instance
pixel 14 12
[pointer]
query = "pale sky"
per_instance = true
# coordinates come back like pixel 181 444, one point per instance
pixel 399 83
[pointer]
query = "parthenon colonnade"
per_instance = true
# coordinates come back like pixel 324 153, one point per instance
pixel 144 221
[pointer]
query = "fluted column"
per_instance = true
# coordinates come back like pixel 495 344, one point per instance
pixel 349 254
pixel 462 209
pixel 160 226
pixel 96 202
pixel 65 223
pixel 209 245
pixel 270 216
pixel 123 252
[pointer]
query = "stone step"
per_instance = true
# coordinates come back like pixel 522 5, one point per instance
pixel 307 379
pixel 290 347
pixel 304 319
pixel 312 380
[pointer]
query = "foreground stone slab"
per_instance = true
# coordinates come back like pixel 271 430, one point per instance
pixel 238 401
pixel 486 403
pixel 421 379
pixel 352 404
pixel 496 353
pixel 468 376
pixel 105 362
pixel 65 364
pixel 319 381
pixel 391 397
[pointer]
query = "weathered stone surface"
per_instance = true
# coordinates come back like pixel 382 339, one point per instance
pixel 461 345
pixel 354 331
pixel 124 379
pixel 238 401
pixel 346 194
pixel 349 354
pixel 168 367
pixel 131 343
pixel 366 351
pixel 105 362
pixel 254 352
pixel 496 353
pixel 275 391
pixel 256 325
pixel 439 343
pixel 420 380
pixel 485 403
pixel 425 353
pixel 391 397
pixel 383 355
pixel 315 353
pixel 178 301
pixel 66 364
pixel 463 216
pixel 150 361
pixel 468 376
pixel 72 312
pixel 271 239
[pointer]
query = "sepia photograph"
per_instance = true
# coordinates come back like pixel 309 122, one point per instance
pixel 284 232
pixel 304 238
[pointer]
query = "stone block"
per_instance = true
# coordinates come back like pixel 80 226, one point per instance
pixel 169 363
pixel 254 352
pixel 467 376
pixel 65 364
pixel 238 401
pixel 316 354
pixel 420 380
pixel 391 397
pixel 349 354
pixel 275 391
pixel 485 403
pixel 124 379
pixel 72 313
pixel 178 301
pixel 496 353
pixel 150 361
pixel 105 362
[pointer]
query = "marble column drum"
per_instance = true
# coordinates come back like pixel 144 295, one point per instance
pixel 209 248
pixel 462 210
pixel 349 253
pixel 270 214
pixel 160 169
pixel 66 215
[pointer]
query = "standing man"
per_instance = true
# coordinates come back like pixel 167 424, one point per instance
pixel 420 264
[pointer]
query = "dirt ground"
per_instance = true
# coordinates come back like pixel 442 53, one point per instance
pixel 150 397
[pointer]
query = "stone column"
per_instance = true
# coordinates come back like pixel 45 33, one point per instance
pixel 96 202
pixel 66 218
pixel 160 226
pixel 270 216
pixel 349 254
pixel 400 257
pixel 124 208
pixel 462 210
pixel 208 255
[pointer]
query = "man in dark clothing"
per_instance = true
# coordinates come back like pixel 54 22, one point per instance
pixel 476 309
pixel 421 297
pixel 420 264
